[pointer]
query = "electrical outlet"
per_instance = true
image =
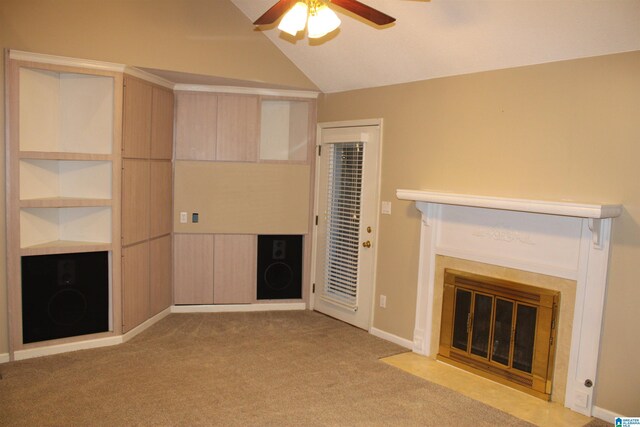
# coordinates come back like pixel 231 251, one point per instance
pixel 183 217
pixel 383 301
pixel 386 208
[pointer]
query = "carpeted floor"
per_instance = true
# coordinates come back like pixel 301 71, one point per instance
pixel 235 369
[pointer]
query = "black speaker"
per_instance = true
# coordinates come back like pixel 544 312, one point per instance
pixel 64 295
pixel 279 267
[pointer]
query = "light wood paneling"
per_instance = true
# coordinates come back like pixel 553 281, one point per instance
pixel 193 269
pixel 238 128
pixel 160 197
pixel 196 122
pixel 135 201
pixel 137 118
pixel 162 124
pixel 135 285
pixel 234 269
pixel 160 261
pixel 243 198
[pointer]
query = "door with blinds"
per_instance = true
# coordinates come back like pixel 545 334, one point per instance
pixel 347 193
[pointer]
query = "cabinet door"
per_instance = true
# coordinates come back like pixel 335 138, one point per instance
pixel 136 134
pixel 135 201
pixel 135 285
pixel 238 136
pixel 162 124
pixel 193 269
pixel 160 291
pixel 234 269
pixel 160 198
pixel 196 121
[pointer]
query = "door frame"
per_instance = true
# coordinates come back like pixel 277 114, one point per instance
pixel 314 250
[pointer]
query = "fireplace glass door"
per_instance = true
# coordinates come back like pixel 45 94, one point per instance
pixel 503 329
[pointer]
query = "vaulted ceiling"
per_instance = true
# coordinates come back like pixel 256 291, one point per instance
pixel 438 38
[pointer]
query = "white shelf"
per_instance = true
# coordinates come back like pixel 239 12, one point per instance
pixel 65 112
pixel 80 224
pixel 284 130
pixel 59 155
pixel 563 208
pixel 51 179
pixel 64 247
pixel 63 202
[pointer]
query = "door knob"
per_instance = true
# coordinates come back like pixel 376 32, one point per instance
pixel 367 244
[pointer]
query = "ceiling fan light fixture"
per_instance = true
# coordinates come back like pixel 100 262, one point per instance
pixel 322 21
pixel 295 19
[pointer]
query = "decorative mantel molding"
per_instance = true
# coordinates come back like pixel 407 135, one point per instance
pixel 557 238
pixel 563 208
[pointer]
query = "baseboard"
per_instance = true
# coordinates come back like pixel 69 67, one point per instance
pixel 392 338
pixel 605 414
pixel 146 324
pixel 234 308
pixel 65 348
pixel 4 357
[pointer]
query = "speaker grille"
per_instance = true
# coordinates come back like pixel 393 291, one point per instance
pixel 279 267
pixel 64 295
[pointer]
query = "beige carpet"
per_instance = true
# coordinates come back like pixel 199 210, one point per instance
pixel 235 369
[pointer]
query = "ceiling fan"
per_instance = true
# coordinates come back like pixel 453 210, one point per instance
pixel 317 16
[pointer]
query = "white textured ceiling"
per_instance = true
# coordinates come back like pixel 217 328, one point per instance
pixel 450 37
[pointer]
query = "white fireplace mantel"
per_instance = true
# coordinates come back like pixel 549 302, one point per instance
pixel 558 238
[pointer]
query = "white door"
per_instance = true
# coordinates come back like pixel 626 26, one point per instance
pixel 347 193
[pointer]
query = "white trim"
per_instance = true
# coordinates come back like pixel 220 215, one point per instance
pixel 235 308
pixel 4 358
pixel 146 324
pixel 247 90
pixel 145 75
pixel 65 348
pixel 65 60
pixel 564 208
pixel 605 414
pixel 391 338
pixel 349 124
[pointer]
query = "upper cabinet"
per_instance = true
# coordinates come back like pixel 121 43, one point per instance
pixel 285 129
pixel 162 112
pixel 237 133
pixel 138 97
pixel 244 128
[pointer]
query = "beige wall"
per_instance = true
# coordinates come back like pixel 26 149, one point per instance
pixel 567 130
pixel 196 36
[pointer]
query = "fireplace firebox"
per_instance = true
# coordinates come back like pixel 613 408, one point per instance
pixel 499 329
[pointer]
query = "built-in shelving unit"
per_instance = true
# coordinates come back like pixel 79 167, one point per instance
pixel 63 169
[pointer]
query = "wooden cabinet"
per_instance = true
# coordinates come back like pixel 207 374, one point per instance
pixel 160 274
pixel 193 268
pixel 162 124
pixel 234 269
pixel 146 200
pixel 135 201
pixel 196 124
pixel 237 131
pixel 135 285
pixel 160 198
pixel 138 96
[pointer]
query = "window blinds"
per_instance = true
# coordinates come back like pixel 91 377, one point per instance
pixel 343 222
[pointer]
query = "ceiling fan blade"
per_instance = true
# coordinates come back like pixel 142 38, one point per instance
pixel 275 12
pixel 364 11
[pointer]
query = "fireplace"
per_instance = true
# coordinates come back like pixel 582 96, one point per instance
pixel 502 330
pixel 556 245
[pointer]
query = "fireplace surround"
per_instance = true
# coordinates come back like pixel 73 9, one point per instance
pixel 563 243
